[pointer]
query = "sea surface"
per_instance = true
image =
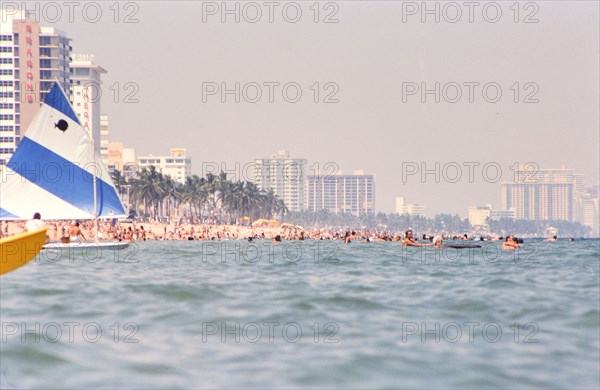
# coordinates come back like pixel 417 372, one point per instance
pixel 311 314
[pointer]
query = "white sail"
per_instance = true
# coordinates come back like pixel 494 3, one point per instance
pixel 52 171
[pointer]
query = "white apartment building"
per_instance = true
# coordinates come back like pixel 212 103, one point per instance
pixel 177 165
pixel 286 176
pixel 86 95
pixel 353 194
pixel 104 138
pixel 32 58
pixel 543 194
pixel 415 210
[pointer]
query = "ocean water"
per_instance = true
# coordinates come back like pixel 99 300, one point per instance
pixel 309 314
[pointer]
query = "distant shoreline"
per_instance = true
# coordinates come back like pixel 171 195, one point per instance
pixel 164 231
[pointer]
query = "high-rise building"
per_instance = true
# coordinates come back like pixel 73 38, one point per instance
pixel 352 194
pixel 55 59
pixel 544 194
pixel 578 187
pixel 591 216
pixel 414 210
pixel 86 94
pixel 104 138
pixel 177 165
pixel 586 209
pixel 285 176
pixel 31 59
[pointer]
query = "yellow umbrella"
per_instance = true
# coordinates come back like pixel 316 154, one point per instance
pixel 258 222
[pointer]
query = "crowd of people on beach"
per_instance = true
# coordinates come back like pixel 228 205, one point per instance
pixel 74 231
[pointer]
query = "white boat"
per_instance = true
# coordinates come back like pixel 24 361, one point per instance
pixel 56 171
pixel 87 247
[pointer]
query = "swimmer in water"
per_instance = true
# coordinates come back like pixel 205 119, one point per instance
pixel 410 241
pixel 510 243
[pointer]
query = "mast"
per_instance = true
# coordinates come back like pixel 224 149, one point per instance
pixel 95 213
pixel 95 229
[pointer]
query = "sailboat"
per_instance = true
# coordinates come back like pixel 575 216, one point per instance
pixel 56 171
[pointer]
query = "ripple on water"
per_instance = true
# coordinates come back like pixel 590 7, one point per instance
pixel 365 298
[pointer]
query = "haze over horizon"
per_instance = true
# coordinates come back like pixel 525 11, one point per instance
pixel 373 57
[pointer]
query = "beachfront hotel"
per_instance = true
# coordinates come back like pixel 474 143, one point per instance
pixel 353 194
pixel 104 122
pixel 286 176
pixel 551 194
pixel 543 194
pixel 588 210
pixel 178 164
pixel 32 58
pixel 86 93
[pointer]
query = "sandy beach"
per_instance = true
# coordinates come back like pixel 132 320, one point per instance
pixel 160 231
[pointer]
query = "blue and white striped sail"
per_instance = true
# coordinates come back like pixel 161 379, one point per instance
pixel 52 171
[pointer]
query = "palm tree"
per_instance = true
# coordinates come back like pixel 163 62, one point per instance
pixel 195 194
pixel 148 188
pixel 119 181
pixel 170 194
pixel 212 188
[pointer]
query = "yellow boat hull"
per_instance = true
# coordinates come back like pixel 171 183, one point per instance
pixel 17 250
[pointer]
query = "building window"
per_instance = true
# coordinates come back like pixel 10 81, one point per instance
pixel 45 52
pixel 82 72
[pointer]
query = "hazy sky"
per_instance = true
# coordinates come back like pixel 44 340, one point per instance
pixel 375 56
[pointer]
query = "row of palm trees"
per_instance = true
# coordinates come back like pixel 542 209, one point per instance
pixel 440 223
pixel 381 221
pixel 212 198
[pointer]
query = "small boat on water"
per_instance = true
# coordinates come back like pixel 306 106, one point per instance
pixel 57 172
pixel 86 247
pixel 19 249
